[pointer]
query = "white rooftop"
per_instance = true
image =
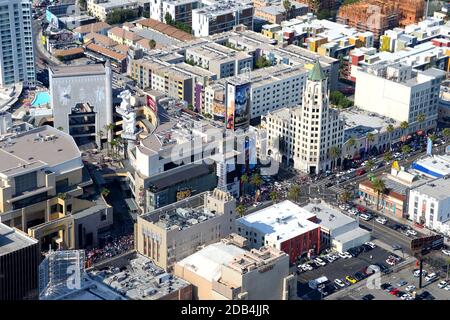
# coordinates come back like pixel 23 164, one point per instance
pixel 327 216
pixel 436 165
pixel 207 262
pixel 280 221
pixel 437 189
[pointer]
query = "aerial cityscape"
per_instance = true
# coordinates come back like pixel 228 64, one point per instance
pixel 224 150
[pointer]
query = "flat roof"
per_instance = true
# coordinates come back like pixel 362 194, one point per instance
pixel 435 165
pixel 172 177
pixel 328 216
pixel 78 70
pixel 12 240
pixel 438 189
pixel 280 221
pixel 207 263
pixel 352 235
pixel 92 27
pixel 165 29
pixel 39 147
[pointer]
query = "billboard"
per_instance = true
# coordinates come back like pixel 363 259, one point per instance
pixel 429 146
pixel 431 242
pixel 183 194
pixel 238 106
pixel 151 103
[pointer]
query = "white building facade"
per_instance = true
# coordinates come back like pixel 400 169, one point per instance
pixel 16 43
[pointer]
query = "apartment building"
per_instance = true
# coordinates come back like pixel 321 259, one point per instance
pixel 43 183
pixel 180 11
pixel 272 88
pixel 174 232
pixel 122 35
pixel 216 17
pixel 81 99
pixel 397 91
pixel 226 270
pixel 429 205
pixel 16 42
pixel 101 9
pixel 222 61
pixel 309 137
pixel 277 13
pixel 19 261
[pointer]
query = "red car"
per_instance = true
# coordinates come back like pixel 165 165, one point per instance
pixel 360 172
pixel 394 291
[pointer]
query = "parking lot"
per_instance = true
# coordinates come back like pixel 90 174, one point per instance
pixel 338 269
pixel 405 274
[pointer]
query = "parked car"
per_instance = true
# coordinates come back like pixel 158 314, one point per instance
pixel 371 244
pixel 320 262
pixel 351 279
pixel 431 277
pixel 394 291
pixel 446 252
pixel 368 297
pixel 442 284
pixel 365 216
pixel 411 232
pixel 406 296
pixel 339 282
pixel 401 283
pixel 417 273
pixel 384 286
pixel 381 220
pixel 410 288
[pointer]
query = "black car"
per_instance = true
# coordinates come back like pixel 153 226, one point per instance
pixel 384 286
pixel 359 276
pixel 368 297
pixel 366 247
pixel 399 293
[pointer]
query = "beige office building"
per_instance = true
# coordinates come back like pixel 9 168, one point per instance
pixel 173 232
pixel 42 185
pixel 227 271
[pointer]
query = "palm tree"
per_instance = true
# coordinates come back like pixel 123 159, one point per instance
pixel 390 128
pixel 100 136
pixel 274 196
pixel 109 129
pixel 446 133
pixel 404 125
pixel 114 146
pixel 105 192
pixel 335 152
pixel 432 137
pixel 387 156
pixel 406 149
pixel 244 181
pixel 240 209
pixel 351 142
pixel 256 180
pixel 379 186
pixel 369 164
pixel 420 118
pixel 370 138
pixel 287 7
pixel 294 193
pixel 345 196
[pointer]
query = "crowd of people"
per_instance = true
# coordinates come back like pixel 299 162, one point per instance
pixel 110 249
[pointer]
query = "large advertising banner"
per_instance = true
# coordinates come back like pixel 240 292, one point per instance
pixel 151 103
pixel 238 105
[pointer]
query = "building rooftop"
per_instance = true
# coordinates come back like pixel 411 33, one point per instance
pixel 280 221
pixel 13 240
pixel 78 70
pixel 223 7
pixel 40 147
pixel 436 165
pixel 359 122
pixel 92 27
pixel 437 189
pixel 140 279
pixel 207 263
pixel 328 216
pixel 351 235
pixel 124 34
pixel 165 29
pixel 111 4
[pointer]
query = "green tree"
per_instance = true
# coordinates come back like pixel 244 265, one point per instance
pixel 404 125
pixel 406 149
pixel 432 137
pixel 168 18
pixel 345 196
pixel 240 209
pixel 379 186
pixel 294 193
pixel 105 192
pixel 287 8
pixel 420 118
pixel 335 152
pixel 256 180
pixel 370 138
pixel 369 164
pixel 82 4
pixel 274 196
pixel 100 136
pixel 446 133
pixel 387 156
pixel 152 44
pixel 262 62
pixel 60 128
pixel 118 16
pixel 390 129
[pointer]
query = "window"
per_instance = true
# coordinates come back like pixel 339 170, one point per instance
pixel 25 182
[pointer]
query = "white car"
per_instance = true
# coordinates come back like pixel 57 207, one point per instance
pixel 412 232
pixel 410 288
pixel 431 277
pixel 364 216
pixel 339 282
pixel 320 262
pixel 353 211
pixel 446 252
pixel 381 220
pixel 447 288
pixel 406 296
pixel 442 284
pixel 371 244
pixel 417 273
